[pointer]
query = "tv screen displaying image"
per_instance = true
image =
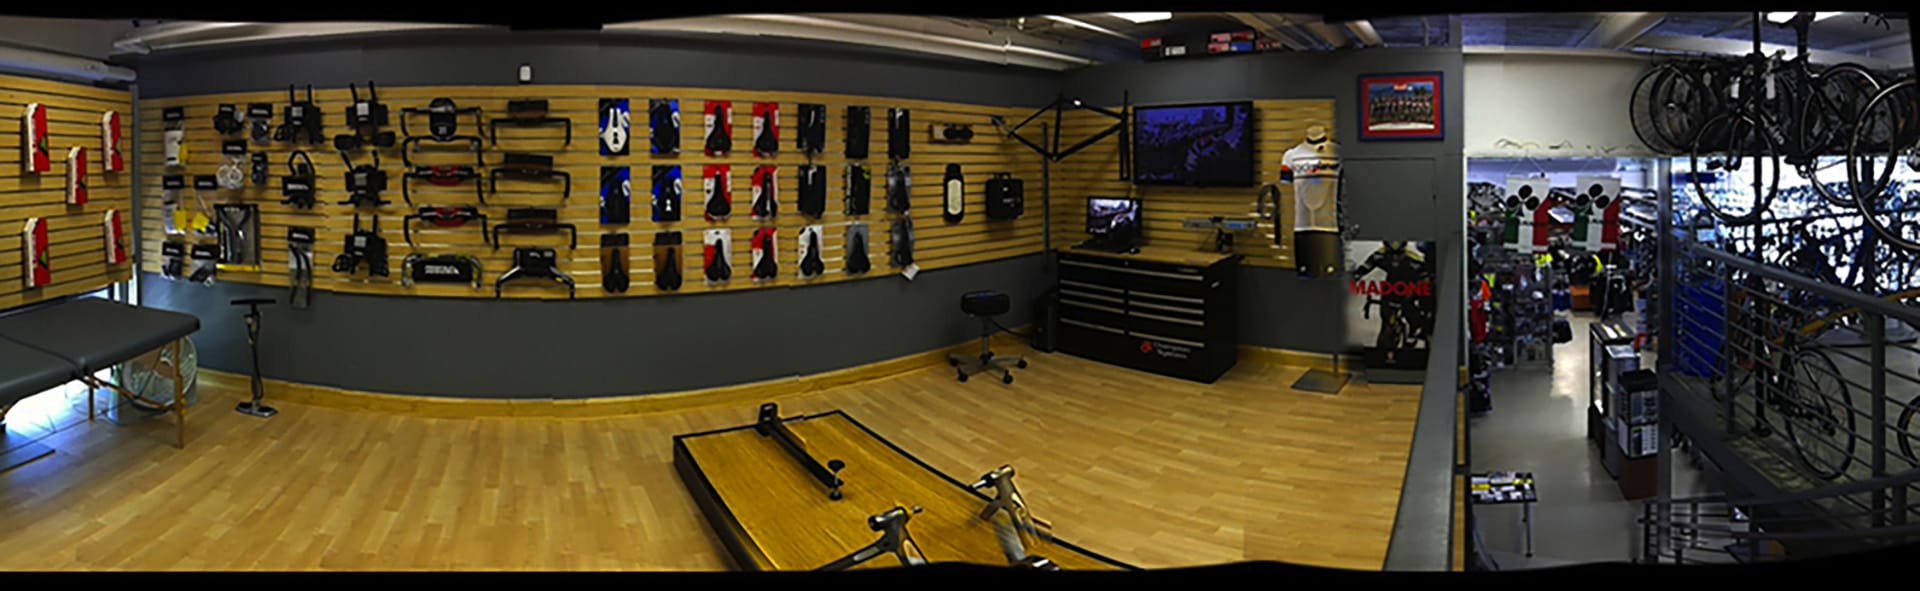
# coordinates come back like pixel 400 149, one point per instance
pixel 1113 216
pixel 1200 145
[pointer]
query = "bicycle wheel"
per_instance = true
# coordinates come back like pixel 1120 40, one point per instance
pixel 1831 107
pixel 1909 431
pixel 1679 103
pixel 1643 109
pixel 1745 138
pixel 1884 139
pixel 1819 414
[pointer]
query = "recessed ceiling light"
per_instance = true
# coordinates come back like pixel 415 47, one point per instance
pixel 1143 17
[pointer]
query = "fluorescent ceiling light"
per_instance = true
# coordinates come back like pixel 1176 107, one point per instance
pixel 1143 17
pixel 1782 17
pixel 1086 25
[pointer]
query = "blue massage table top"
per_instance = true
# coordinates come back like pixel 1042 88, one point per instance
pixel 85 335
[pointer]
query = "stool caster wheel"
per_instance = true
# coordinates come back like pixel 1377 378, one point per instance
pixel 953 362
pixel 1006 379
pixel 1022 364
pixel 835 495
pixel 963 376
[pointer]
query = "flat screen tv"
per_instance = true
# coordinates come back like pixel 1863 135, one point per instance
pixel 1204 145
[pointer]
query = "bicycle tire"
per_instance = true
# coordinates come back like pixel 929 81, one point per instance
pixel 1677 119
pixel 1898 135
pixel 1908 436
pixel 1822 406
pixel 1643 109
pixel 1856 86
pixel 1734 140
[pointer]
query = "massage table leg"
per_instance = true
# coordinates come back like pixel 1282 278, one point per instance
pixel 179 398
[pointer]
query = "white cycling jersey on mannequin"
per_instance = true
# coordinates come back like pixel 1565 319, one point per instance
pixel 1314 167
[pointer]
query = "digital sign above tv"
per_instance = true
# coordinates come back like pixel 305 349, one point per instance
pixel 1203 145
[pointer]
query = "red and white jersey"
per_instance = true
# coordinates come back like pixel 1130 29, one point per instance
pixel 76 176
pixel 110 158
pixel 34 158
pixel 116 242
pixel 33 243
pixel 1315 169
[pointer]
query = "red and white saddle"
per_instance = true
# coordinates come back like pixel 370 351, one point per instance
pixel 34 243
pixel 116 239
pixel 76 176
pixel 110 158
pixel 33 147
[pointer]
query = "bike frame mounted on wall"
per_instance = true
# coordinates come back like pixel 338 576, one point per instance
pixel 1052 152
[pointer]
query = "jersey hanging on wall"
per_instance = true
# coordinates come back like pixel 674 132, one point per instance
pixel 813 190
pixel 1596 223
pixel 856 260
pixel 859 189
pixel 614 126
pixel 812 136
pixel 76 176
pixel 811 265
pixel 719 136
pixel 766 129
pixel 899 188
pixel 666 193
pixel 899 134
pixel 766 192
pixel 859 131
pixel 116 238
pixel 717 184
pixel 1530 219
pixel 33 245
pixel 666 260
pixel 663 125
pixel 33 141
pixel 111 160
pixel 766 264
pixel 616 195
pixel 718 255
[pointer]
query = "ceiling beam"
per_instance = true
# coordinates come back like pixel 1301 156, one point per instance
pixel 1738 47
pixel 1617 29
pixel 1872 44
pixel 1270 30
pixel 1331 34
pixel 820 29
pixel 1363 30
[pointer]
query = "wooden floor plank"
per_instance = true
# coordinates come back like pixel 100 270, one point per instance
pixel 1152 471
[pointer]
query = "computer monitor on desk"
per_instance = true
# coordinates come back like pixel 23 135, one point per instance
pixel 1113 223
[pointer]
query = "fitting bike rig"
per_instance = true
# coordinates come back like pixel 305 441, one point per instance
pixel 534 167
pixel 442 176
pixel 528 113
pixel 535 219
pixel 443 127
pixel 530 262
pixel 445 217
pixel 363 247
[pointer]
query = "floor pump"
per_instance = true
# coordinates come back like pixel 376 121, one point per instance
pixel 253 407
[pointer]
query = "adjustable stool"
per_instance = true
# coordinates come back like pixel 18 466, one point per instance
pixel 985 305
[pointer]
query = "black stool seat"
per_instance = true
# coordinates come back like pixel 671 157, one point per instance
pixel 985 305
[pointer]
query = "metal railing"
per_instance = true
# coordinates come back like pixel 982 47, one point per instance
pixel 1813 384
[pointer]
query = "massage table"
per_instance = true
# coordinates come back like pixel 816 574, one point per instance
pixel 75 339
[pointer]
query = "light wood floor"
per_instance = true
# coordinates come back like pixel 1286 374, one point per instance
pixel 1153 471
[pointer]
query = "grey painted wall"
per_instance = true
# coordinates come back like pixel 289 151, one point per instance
pixel 421 59
pixel 586 348
pixel 513 348
pixel 1398 189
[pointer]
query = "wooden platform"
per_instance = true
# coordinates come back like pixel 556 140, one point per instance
pixel 772 515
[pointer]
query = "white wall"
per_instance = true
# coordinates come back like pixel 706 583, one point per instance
pixel 1563 104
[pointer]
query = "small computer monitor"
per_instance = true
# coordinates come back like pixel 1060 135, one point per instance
pixel 1113 216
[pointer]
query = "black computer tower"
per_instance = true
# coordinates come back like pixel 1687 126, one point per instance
pixel 1046 321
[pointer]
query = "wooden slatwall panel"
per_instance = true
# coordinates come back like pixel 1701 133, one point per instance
pixel 74 233
pixel 937 244
pixel 1095 171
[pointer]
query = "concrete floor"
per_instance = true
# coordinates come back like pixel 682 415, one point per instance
pixel 1539 424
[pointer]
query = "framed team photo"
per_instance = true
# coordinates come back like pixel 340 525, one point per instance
pixel 1401 107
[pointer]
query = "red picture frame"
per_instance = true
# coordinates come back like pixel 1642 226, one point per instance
pixel 1404 106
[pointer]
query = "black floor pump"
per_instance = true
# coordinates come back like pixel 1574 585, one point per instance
pixel 253 407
